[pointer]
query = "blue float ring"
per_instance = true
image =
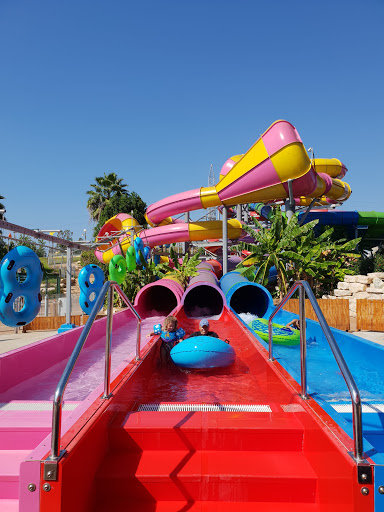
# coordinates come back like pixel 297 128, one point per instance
pixel 11 289
pixel 87 288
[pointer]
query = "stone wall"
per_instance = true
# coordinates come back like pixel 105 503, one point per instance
pixel 370 287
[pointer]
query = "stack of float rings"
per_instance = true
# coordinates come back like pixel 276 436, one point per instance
pixel 118 266
pixel 11 289
pixel 117 269
pixel 139 247
pixel 87 288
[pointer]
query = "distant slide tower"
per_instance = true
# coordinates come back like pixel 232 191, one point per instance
pixel 211 214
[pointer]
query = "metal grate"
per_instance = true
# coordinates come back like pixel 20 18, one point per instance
pixel 292 408
pixel 365 407
pixel 205 407
pixel 33 406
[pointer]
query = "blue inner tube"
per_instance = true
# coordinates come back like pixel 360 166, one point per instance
pixel 203 352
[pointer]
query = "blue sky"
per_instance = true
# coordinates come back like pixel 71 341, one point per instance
pixel 157 91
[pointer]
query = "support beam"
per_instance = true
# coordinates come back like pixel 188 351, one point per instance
pixel 225 240
pixel 68 304
pixel 290 202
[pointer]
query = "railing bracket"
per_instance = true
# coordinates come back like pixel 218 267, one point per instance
pixel 364 474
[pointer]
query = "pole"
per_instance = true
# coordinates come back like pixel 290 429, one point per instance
pixel 68 289
pixel 225 240
pixel 108 337
pixel 290 202
pixel 238 212
pixel 303 343
pixel 186 244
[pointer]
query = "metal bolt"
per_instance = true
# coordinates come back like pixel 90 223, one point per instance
pixel 364 491
pixel 49 474
pixel 46 487
pixel 363 476
pixel 381 489
pixel 32 487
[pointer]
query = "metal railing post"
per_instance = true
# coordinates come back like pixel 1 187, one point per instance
pixel 138 340
pixel 107 373
pixel 109 287
pixel 303 344
pixel 349 380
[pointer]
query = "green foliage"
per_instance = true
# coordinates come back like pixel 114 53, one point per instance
pixel 378 263
pixel 187 268
pixel 267 251
pixel 32 243
pixel 144 274
pixel 297 254
pixel 124 203
pixel 106 187
pixel 89 258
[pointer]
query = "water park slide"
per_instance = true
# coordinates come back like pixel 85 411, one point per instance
pixel 260 175
pixel 198 454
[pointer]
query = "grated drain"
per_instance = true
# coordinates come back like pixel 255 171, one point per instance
pixel 205 407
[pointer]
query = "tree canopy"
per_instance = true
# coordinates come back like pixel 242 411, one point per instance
pixel 125 203
pixel 105 188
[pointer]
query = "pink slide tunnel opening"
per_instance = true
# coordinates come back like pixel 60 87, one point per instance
pixel 203 297
pixel 158 298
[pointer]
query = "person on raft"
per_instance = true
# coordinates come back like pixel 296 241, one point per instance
pixel 294 324
pixel 204 330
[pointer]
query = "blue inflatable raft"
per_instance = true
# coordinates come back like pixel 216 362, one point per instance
pixel 203 352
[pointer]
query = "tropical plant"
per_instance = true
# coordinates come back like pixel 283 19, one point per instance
pixel 104 189
pixel 186 268
pixel 268 250
pixel 146 273
pixel 297 253
pixel 320 260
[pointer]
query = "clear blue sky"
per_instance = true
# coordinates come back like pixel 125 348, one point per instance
pixel 156 91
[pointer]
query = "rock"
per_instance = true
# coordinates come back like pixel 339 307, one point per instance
pixel 377 283
pixel 372 289
pixel 364 279
pixel 379 275
pixel 343 286
pixel 357 287
pixel 350 279
pixel 342 294
pixel 376 296
pixel 362 295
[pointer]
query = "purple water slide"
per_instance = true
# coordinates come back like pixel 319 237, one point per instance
pixel 158 298
pixel 203 297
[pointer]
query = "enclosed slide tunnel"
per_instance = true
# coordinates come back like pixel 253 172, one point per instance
pixel 246 297
pixel 203 297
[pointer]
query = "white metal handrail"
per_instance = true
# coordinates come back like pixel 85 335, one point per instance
pixel 109 288
pixel 304 288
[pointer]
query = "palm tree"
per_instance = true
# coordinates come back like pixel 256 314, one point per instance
pixel 106 187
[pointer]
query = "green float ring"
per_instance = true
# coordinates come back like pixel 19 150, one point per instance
pixel 117 269
pixel 281 335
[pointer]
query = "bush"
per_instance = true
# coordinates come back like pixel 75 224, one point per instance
pixel 378 263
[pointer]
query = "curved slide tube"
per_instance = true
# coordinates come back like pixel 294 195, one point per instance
pixel 159 298
pixel 242 296
pixel 258 176
pixel 167 234
pixel 203 297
